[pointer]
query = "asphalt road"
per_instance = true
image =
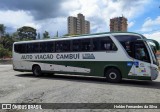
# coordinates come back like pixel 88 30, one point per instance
pixel 22 87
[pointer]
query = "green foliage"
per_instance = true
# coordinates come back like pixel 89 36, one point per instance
pixel 4 52
pixel 7 42
pixel 46 35
pixel 66 35
pixel 27 32
pixel 2 30
pixel 72 35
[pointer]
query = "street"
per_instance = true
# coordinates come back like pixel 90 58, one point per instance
pixel 23 87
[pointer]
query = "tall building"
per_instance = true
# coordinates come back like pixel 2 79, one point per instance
pixel 72 25
pixel 87 27
pixel 118 24
pixel 78 25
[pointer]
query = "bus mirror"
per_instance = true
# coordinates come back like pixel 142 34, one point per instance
pixel 157 47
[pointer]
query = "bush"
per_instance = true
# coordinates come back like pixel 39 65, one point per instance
pixel 4 52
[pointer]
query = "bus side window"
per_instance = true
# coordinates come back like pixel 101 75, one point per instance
pixel 42 48
pixel 128 46
pixel 103 44
pixel 62 46
pixel 58 46
pixel 29 48
pixel 50 47
pixel 96 44
pixel 20 48
pixel 35 47
pixel 86 45
pixel 141 52
pixel 66 46
pixel 107 44
pixel 127 41
pixel 16 48
pixel 76 45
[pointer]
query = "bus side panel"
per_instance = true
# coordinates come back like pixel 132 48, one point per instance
pixel 92 68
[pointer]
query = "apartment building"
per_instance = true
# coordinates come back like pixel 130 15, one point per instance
pixel 118 24
pixel 78 25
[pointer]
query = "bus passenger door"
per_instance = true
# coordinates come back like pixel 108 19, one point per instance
pixel 142 62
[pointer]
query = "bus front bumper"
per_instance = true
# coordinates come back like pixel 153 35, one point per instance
pixel 154 73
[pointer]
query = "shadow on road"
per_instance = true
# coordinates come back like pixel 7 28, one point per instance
pixel 97 80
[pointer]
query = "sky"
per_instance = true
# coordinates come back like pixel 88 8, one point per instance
pixel 51 15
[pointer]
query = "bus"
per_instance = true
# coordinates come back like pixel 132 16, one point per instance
pixel 113 55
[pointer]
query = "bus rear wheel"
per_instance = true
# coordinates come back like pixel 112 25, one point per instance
pixel 37 71
pixel 113 75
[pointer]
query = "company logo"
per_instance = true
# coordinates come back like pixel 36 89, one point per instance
pixel 88 56
pixel 20 106
pixel 6 106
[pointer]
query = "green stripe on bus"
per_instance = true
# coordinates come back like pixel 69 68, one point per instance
pixel 97 67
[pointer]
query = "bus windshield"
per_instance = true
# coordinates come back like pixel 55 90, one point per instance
pixel 136 47
pixel 154 46
pixel 126 41
pixel 153 53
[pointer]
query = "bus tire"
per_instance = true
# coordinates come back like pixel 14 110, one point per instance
pixel 37 71
pixel 113 75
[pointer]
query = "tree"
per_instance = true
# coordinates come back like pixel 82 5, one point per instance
pixel 3 51
pixel 66 35
pixel 15 35
pixel 46 35
pixel 7 42
pixel 27 32
pixel 2 30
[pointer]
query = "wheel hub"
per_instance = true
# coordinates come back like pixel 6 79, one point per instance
pixel 112 75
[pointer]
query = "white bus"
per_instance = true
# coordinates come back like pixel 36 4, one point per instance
pixel 111 55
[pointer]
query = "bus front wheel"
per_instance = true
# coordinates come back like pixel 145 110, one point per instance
pixel 37 71
pixel 113 75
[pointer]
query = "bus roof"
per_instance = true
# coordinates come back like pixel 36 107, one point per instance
pixel 75 36
pixel 103 33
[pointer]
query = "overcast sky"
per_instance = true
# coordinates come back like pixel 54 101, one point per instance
pixel 51 15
